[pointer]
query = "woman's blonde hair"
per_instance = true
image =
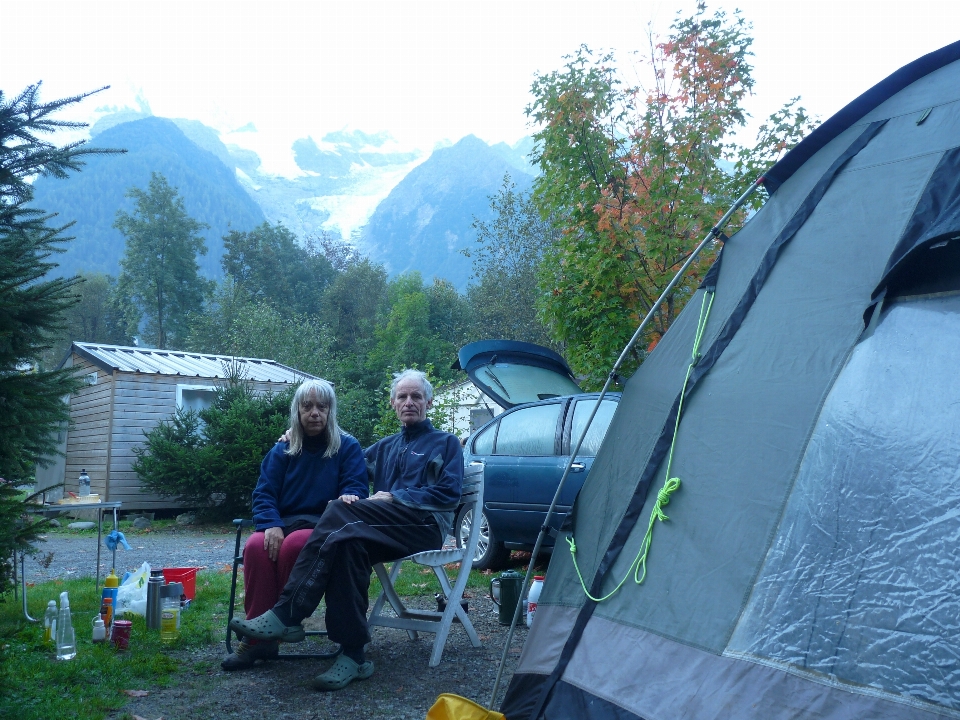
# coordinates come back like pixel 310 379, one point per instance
pixel 323 392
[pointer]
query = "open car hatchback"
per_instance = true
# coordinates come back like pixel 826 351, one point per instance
pixel 526 448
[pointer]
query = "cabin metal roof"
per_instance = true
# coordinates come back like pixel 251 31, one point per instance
pixel 184 364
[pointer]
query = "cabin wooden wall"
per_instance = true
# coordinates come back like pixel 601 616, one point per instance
pixel 86 446
pixel 109 419
pixel 140 403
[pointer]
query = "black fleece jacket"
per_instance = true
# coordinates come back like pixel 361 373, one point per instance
pixel 422 468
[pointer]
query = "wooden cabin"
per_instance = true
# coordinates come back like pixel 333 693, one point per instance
pixel 127 392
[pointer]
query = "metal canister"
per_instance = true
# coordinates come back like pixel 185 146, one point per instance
pixel 511 587
pixel 154 583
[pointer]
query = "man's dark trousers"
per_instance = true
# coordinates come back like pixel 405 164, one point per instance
pixel 337 560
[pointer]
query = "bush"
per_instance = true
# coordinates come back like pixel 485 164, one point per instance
pixel 211 460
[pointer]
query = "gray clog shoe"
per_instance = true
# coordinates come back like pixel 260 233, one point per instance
pixel 268 627
pixel 343 672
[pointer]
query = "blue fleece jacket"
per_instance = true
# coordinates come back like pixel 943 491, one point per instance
pixel 298 487
pixel 422 468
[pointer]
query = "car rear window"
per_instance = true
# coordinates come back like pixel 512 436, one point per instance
pixel 598 428
pixel 523 383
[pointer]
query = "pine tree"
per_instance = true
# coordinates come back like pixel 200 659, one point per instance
pixel 31 304
pixel 160 272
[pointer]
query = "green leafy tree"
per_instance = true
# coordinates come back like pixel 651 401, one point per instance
pixel 632 179
pixel 270 266
pixel 98 316
pixel 235 325
pixel 504 294
pixel 160 275
pixel 31 306
pixel 423 326
pixel 211 459
pixel 352 304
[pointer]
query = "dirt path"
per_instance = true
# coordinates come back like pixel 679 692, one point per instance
pixel 402 687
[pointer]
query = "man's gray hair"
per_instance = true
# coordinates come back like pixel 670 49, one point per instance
pixel 420 377
pixel 323 392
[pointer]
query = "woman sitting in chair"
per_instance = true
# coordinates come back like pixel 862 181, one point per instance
pixel 298 478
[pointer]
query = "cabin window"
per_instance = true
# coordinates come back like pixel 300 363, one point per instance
pixel 195 397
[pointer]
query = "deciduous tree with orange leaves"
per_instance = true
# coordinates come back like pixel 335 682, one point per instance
pixel 635 176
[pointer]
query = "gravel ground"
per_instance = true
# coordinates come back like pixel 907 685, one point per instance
pixel 76 555
pixel 403 686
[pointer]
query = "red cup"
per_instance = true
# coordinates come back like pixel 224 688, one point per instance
pixel 121 634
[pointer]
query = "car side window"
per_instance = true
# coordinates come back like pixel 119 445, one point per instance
pixel 598 428
pixel 483 444
pixel 529 431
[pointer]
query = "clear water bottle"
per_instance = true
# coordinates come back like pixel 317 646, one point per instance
pixel 50 622
pixel 170 612
pixel 84 483
pixel 66 640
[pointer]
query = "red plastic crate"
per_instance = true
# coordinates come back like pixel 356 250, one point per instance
pixel 187 576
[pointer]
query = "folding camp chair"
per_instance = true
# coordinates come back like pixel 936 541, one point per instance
pixel 436 621
pixel 237 562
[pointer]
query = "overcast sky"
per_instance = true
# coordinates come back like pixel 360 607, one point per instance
pixel 424 71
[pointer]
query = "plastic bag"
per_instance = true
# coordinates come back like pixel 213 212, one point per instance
pixel 132 594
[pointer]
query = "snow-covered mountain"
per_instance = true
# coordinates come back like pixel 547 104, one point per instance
pixel 408 208
pixel 427 219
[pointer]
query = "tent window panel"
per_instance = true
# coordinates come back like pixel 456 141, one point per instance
pixel 529 431
pixel 861 581
pixel 598 428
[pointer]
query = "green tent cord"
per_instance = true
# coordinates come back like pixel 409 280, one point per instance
pixel 670 485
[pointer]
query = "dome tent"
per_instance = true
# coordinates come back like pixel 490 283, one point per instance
pixel 809 566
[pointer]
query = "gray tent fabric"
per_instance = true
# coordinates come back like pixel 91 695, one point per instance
pixel 795 423
pixel 849 580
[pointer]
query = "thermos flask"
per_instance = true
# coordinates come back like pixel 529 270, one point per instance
pixel 154 583
pixel 511 586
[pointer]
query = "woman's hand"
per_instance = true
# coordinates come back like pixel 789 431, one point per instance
pixel 349 499
pixel 286 436
pixel 272 540
pixel 382 495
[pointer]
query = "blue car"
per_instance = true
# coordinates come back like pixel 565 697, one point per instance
pixel 527 447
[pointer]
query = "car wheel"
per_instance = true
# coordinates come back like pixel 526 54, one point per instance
pixel 490 554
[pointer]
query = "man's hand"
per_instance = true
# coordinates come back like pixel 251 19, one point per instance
pixel 349 499
pixel 272 540
pixel 286 436
pixel 382 495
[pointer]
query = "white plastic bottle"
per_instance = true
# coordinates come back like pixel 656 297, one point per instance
pixel 50 622
pixel 99 630
pixel 66 640
pixel 533 597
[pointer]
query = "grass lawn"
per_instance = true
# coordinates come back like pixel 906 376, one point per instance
pixel 35 686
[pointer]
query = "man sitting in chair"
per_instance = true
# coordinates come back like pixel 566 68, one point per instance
pixel 417 476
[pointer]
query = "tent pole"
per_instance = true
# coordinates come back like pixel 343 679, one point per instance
pixel 712 235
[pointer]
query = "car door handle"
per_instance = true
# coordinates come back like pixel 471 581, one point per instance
pixel 577 467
